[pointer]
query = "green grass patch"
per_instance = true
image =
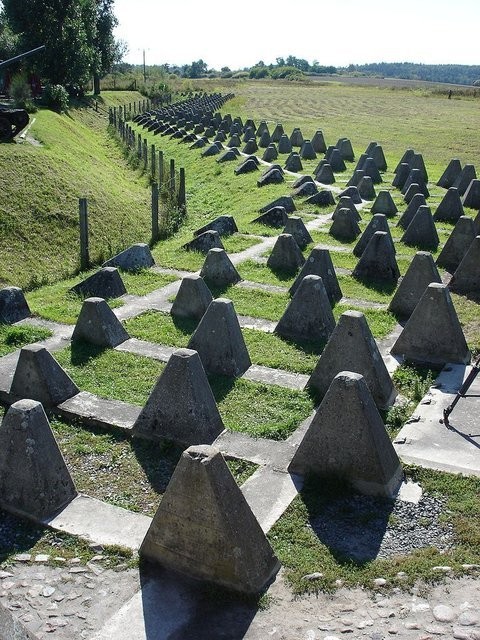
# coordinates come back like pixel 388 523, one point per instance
pixel 352 288
pixel 14 337
pixel 259 272
pixel 109 373
pixel 412 383
pixel 55 302
pixel 302 553
pixel 257 302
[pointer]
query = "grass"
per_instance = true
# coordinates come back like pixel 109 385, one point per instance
pixel 257 409
pixel 412 383
pixel 14 337
pixel 302 553
pixel 55 302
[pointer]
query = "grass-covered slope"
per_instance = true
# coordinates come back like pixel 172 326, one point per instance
pixel 39 191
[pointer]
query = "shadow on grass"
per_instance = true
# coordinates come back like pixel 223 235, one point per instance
pixel 380 286
pixel 158 460
pixel 83 351
pixel 284 275
pixel 221 386
pixel 17 535
pixel 185 325
pixel 350 524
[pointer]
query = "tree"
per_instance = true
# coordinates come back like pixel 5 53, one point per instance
pixel 77 34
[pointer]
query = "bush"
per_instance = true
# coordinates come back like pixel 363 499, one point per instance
pixel 55 97
pixel 20 91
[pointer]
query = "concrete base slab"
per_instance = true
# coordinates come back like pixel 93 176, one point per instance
pixel 99 412
pixel 256 373
pixel 269 493
pixel 427 442
pixel 101 523
pixel 410 492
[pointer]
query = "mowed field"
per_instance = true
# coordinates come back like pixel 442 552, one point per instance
pixel 397 119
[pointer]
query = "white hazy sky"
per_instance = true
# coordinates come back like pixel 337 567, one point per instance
pixel 334 32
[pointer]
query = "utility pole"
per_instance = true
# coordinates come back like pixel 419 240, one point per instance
pixel 144 69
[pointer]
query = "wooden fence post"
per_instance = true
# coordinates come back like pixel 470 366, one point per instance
pixel 155 229
pixel 182 198
pixel 153 161
pixel 145 154
pixel 172 177
pixel 84 252
pixel 160 170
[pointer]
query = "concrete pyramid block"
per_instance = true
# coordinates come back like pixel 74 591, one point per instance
pixel 457 244
pixel 352 192
pixel 420 273
pixel 401 176
pixel 352 348
pixel 218 270
pixel 305 189
pixel 433 334
pixel 205 241
pixel 192 299
pixel 105 283
pixel 248 134
pixel 275 217
pixel 234 141
pixel 39 376
pixel 366 188
pixel 228 156
pixel 262 127
pixel 294 163
pixel 344 226
pixel 451 173
pixel 336 161
pixel 354 181
pixel 377 155
pixel 278 132
pixel 135 258
pixel 223 225
pixel 421 232
pixel 322 198
pixel 466 279
pixel 407 216
pixel 318 142
pixel 270 154
pixel 296 139
pixel 417 162
pixel 377 262
pixel 232 551
pixel 34 479
pixel 476 223
pixel 319 263
pixel 181 406
pixel 413 189
pixel 272 176
pixel 464 178
pixel 301 180
pixel 344 145
pixel 13 305
pixel 309 315
pixel 284 144
pixel 286 202
pixel 211 150
pixel 384 204
pixel 416 177
pixel 450 208
pixel 247 166
pixel 265 139
pixel 219 340
pixel 296 228
pixel 371 170
pixel 405 159
pixel 98 325
pixel 361 162
pixel 471 198
pixel 352 445
pixel 378 222
pixel 307 152
pixel 325 175
pixel 250 147
pixel 346 202
pixel 285 255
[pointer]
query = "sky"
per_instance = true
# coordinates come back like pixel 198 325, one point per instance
pixel 334 32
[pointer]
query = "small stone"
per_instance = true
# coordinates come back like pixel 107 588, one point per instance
pixel 59 559
pixel 78 570
pixel 443 569
pixel 412 625
pixel 401 575
pixel 313 576
pixel 97 558
pixel 461 634
pixel 23 557
pixel 73 595
pixel 52 607
pixel 48 591
pixel 82 616
pixel 74 561
pixel 338 583
pixel 470 567
pixel 435 630
pixel 422 606
pixel 59 597
pixel 468 618
pixel 443 613
pixel 42 557
pixel 5 574
pixel 379 582
pixel 95 568
pixel 393 631
pixel 90 585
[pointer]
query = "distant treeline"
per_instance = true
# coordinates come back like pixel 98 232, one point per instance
pixel 451 73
